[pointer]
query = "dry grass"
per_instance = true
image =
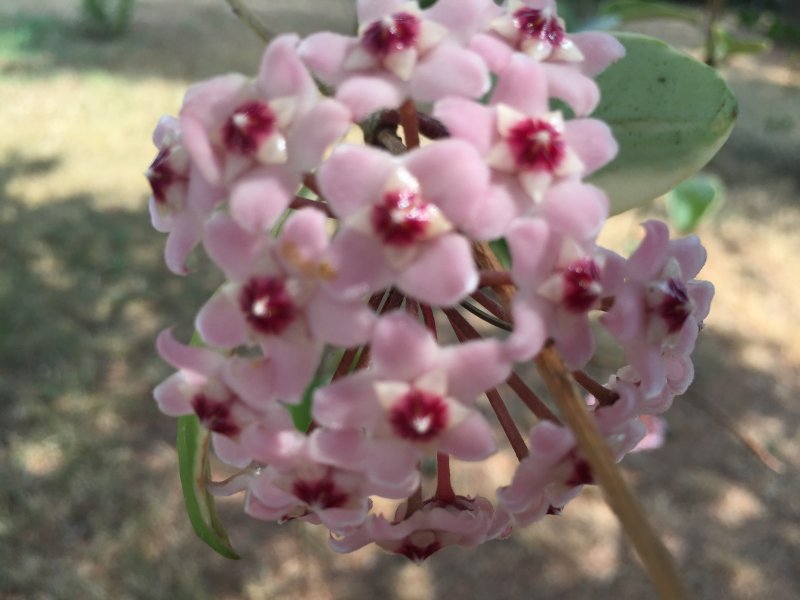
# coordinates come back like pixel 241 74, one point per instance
pixel 89 498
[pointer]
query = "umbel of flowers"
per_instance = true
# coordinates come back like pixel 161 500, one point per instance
pixel 331 249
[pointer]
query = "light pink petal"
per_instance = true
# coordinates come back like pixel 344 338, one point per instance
pixel 365 94
pixel 345 449
pixel 474 367
pixel 649 258
pixel 312 134
pixel 392 468
pixel 354 278
pixel 494 51
pixel 592 141
pixel 324 53
pixel 504 201
pixel 232 248
pixel 577 210
pixel 701 293
pixel 549 442
pixel 453 176
pixel 566 83
pixel 613 274
pixel 229 451
pixel 449 70
pixel 279 448
pixel 655 436
pixel 443 274
pixel 348 403
pixel 296 362
pixel 172 397
pixel 253 380
pixel 354 177
pixel 648 363
pixel 599 51
pixel 625 319
pixel 690 254
pixel 186 232
pixel 343 519
pixel 220 322
pixel 282 73
pixel 523 86
pixel 305 232
pixel 167 127
pixel 351 542
pixel 187 358
pixel 260 197
pixel 337 322
pixel 402 349
pixel 467 120
pixel 530 332
pixel 532 251
pixel 463 18
pixel 160 222
pixel 373 10
pixel 201 196
pixel 472 439
pixel 574 340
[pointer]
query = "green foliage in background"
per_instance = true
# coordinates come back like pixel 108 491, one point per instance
pixel 107 18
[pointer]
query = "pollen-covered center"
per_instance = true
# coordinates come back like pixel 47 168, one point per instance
pixel 418 415
pixel 248 128
pixel 402 217
pixel 320 493
pixel 582 287
pixel 674 306
pixel 536 145
pixel 215 415
pixel 267 305
pixel 538 25
pixel 391 34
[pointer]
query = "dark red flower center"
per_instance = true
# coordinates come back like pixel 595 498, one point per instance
pixel 215 415
pixel 402 218
pixel 392 34
pixel 581 474
pixel 162 175
pixel 535 24
pixel 536 145
pixel 418 553
pixel 418 416
pixel 267 305
pixel 248 127
pixel 676 306
pixel 581 285
pixel 320 494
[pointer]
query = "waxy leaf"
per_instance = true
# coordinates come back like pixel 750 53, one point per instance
pixel 193 465
pixel 670 115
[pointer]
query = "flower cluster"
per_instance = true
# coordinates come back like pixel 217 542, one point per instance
pixel 337 251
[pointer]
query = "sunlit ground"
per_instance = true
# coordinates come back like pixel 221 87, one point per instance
pixel 89 500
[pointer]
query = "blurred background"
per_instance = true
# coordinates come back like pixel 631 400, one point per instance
pixel 90 503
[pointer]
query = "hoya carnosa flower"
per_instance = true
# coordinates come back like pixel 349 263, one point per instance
pixel 402 52
pixel 534 28
pixel 437 524
pixel 181 197
pixel 228 394
pixel 399 216
pixel 661 305
pixel 259 136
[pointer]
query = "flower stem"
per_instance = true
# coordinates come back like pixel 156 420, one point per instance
pixel 300 202
pixel 444 486
pixel 495 278
pixel 410 124
pixel 604 396
pixel 530 399
pixel 247 17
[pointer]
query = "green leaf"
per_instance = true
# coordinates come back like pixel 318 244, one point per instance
pixel 634 10
pixel 193 465
pixel 301 413
pixel 501 252
pixel 670 115
pixel 694 200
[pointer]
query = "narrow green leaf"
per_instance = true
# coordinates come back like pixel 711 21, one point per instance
pixel 694 200
pixel 193 441
pixel 669 113
pixel 501 252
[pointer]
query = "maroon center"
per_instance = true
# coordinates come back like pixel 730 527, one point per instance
pixel 398 32
pixel 248 127
pixel 215 415
pixel 320 494
pixel 536 145
pixel 581 474
pixel 402 218
pixel 161 175
pixel 418 553
pixel 534 24
pixel 267 305
pixel 581 279
pixel 676 306
pixel 418 416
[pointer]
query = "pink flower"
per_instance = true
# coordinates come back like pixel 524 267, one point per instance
pixel 402 52
pixel 399 216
